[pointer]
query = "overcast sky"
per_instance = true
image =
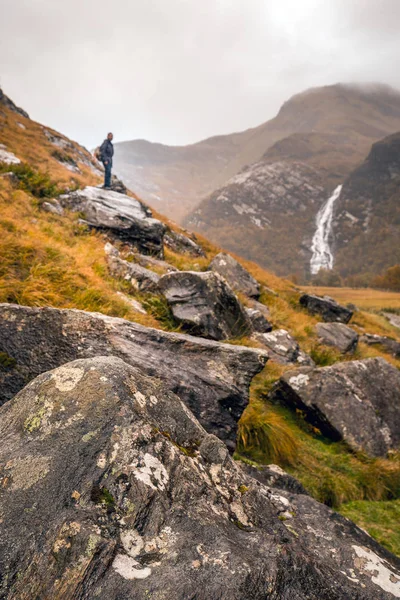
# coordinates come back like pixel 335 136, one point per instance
pixel 177 71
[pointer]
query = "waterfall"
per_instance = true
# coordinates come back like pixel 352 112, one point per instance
pixel 322 257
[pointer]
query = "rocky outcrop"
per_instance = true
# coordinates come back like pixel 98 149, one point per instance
pixel 212 379
pixel 7 157
pixel 258 321
pixel 388 344
pixel 139 278
pixel 283 348
pixel 338 335
pixel 274 476
pixel 6 101
pixel 357 401
pixel 205 304
pixel 327 307
pixel 127 218
pixel 139 502
pixel 393 319
pixel 178 242
pixel 237 276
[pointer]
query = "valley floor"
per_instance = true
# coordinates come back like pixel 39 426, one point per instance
pixel 363 298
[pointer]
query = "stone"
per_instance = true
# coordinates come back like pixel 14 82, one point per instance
pixel 393 319
pixel 182 244
pixel 258 321
pixel 274 476
pixel 141 279
pixel 133 303
pixel 205 305
pixel 111 489
pixel 388 344
pixel 213 379
pixel 8 157
pixel 53 207
pixel 6 101
pixel 356 401
pixel 123 216
pixel 338 335
pixel 283 348
pixel 237 276
pixel 151 262
pixel 327 307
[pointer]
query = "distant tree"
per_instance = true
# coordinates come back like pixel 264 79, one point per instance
pixel 327 278
pixel 390 280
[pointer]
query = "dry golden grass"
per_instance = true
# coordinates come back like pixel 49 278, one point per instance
pixel 363 298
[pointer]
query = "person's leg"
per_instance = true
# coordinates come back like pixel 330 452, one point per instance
pixel 107 175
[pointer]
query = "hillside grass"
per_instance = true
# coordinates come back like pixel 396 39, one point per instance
pixel 48 260
pixel 363 298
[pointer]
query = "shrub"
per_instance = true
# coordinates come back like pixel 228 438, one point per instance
pixel 32 180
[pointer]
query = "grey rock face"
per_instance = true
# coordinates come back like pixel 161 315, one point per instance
pixel 182 244
pixel 274 476
pixel 139 502
pixel 139 278
pixel 10 104
pixel 53 207
pixel 211 378
pixel 205 304
pixel 149 261
pixel 258 321
pixel 393 319
pixel 357 401
pixel 127 218
pixel 283 348
pixel 338 335
pixel 238 278
pixel 328 308
pixel 390 345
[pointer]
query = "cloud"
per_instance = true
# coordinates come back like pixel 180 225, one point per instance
pixel 181 70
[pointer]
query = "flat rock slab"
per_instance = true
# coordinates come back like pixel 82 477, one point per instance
pixel 111 489
pixel 328 308
pixel 212 378
pixel 127 218
pixel 237 276
pixel 205 304
pixel 388 344
pixel 283 348
pixel 357 401
pixel 138 277
pixel 338 335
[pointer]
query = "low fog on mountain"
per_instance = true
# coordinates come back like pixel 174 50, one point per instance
pixel 180 71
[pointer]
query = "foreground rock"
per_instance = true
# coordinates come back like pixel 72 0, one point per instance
pixel 213 379
pixel 112 490
pixel 258 320
pixel 238 278
pixel 338 335
pixel 178 242
pixel 357 401
pixel 327 307
pixel 127 218
pixel 388 344
pixel 205 304
pixel 138 277
pixel 283 348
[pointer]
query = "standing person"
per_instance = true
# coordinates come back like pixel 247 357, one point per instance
pixel 106 154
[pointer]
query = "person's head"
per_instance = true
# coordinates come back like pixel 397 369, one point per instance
pixel 110 136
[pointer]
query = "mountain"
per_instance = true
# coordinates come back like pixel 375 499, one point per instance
pixel 366 218
pixel 337 125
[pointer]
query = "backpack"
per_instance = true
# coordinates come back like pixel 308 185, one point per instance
pixel 97 153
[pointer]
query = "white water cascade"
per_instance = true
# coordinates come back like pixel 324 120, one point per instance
pixel 322 257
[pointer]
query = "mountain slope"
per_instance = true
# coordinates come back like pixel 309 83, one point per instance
pixel 366 227
pixel 174 179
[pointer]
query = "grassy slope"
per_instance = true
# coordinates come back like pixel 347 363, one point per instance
pixel 51 260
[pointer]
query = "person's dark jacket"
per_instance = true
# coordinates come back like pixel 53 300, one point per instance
pixel 107 151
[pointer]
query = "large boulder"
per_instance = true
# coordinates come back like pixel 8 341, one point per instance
pixel 111 489
pixel 327 307
pixel 212 378
pixel 283 348
pixel 338 335
pixel 127 218
pixel 237 276
pixel 205 305
pixel 357 401
pixel 138 277
pixel 388 344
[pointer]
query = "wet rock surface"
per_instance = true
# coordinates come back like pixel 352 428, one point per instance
pixel 357 401
pixel 283 348
pixel 139 278
pixel 388 344
pixel 237 276
pixel 127 218
pixel 338 335
pixel 139 502
pixel 205 304
pixel 211 378
pixel 327 307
